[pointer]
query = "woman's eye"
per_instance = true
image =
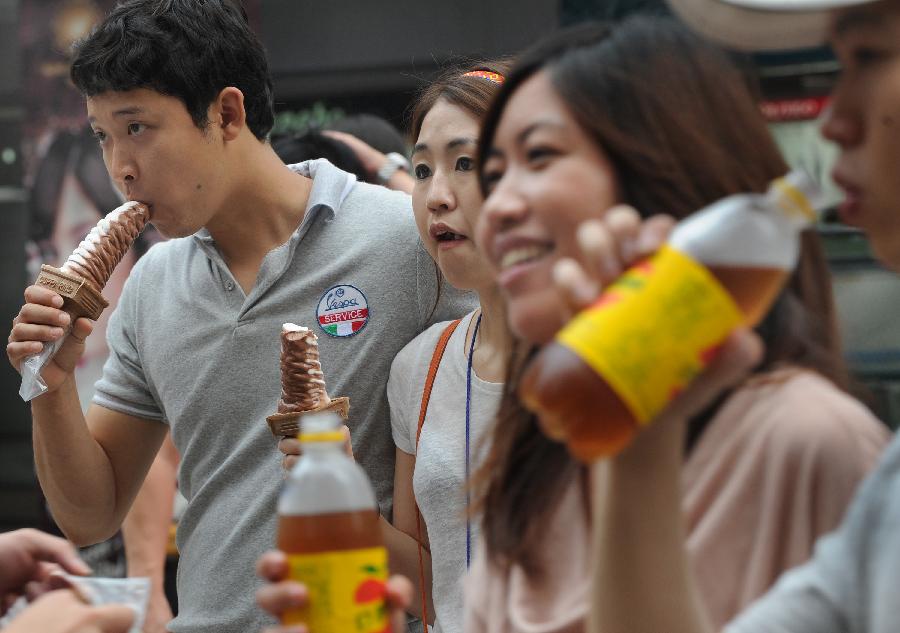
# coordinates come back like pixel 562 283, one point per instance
pixel 99 136
pixel 464 163
pixel 136 128
pixel 537 154
pixel 421 172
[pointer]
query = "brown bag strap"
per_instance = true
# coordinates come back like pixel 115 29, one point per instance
pixel 423 409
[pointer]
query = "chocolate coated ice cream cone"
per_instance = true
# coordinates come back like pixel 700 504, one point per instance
pixel 84 274
pixel 302 382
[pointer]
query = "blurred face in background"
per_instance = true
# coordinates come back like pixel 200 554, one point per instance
pixel 864 120
pixel 446 197
pixel 544 176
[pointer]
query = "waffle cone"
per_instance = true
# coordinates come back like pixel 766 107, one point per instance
pixel 288 424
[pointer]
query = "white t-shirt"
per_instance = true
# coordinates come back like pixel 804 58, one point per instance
pixel 439 476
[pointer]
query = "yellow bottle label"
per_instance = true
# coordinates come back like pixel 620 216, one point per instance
pixel 653 330
pixel 346 591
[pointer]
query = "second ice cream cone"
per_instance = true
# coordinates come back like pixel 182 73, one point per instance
pixel 288 424
pixel 302 383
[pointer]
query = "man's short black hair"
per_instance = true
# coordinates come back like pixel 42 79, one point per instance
pixel 188 49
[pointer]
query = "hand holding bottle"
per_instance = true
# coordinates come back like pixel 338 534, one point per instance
pixel 611 245
pixel 618 364
pixel 608 247
pixel 280 594
pixel 291 448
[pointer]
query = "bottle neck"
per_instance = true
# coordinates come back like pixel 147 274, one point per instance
pixel 796 197
pixel 322 447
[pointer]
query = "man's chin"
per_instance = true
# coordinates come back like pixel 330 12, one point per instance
pixel 169 229
pixel 887 252
pixel 170 232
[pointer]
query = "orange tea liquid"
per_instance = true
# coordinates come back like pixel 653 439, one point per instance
pixel 577 405
pixel 314 533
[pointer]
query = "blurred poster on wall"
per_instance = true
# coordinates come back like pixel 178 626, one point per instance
pixel 69 187
pixel 64 172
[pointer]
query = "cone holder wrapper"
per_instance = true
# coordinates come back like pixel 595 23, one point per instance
pixel 288 424
pixel 80 299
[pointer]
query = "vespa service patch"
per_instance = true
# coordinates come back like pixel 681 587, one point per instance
pixel 342 311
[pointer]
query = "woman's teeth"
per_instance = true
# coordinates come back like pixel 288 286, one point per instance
pixel 522 255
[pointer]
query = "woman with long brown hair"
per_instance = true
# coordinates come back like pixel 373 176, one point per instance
pixel 647 115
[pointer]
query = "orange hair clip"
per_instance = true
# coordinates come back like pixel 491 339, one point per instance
pixel 496 78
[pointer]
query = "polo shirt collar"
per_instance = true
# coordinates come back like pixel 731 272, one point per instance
pixel 329 189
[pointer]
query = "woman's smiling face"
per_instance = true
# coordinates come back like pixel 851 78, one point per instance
pixel 544 177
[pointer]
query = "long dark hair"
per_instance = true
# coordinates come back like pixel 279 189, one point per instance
pixel 681 128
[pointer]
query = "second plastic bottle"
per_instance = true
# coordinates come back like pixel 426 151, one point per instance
pixel 328 526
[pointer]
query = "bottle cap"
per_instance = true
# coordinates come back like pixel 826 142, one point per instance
pixel 321 427
pixel 798 195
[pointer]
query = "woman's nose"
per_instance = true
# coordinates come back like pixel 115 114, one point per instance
pixel 440 194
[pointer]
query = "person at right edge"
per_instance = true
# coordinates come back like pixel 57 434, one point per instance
pixel 643 580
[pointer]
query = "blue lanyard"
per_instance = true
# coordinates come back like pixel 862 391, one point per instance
pixel 468 408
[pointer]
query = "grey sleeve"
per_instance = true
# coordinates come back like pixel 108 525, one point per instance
pixel 836 590
pixel 123 387
pixel 797 604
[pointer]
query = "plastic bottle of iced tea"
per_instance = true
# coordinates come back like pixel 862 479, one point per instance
pixel 328 526
pixel 617 363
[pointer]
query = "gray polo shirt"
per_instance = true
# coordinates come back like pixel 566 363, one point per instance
pixel 189 348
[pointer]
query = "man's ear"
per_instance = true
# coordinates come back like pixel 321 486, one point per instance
pixel 228 112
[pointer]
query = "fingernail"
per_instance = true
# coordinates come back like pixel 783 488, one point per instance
pixel 57 332
pixel 57 301
pixel 297 594
pixel 646 244
pixel 82 567
pixel 591 235
pixel 567 273
pixel 64 318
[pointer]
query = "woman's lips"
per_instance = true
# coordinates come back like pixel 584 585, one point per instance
pixel 446 245
pixel 518 264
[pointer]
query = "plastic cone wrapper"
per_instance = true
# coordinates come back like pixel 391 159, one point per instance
pixel 80 280
pixel 302 382
pixel 131 592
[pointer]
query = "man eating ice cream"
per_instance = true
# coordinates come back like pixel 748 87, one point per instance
pixel 180 100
